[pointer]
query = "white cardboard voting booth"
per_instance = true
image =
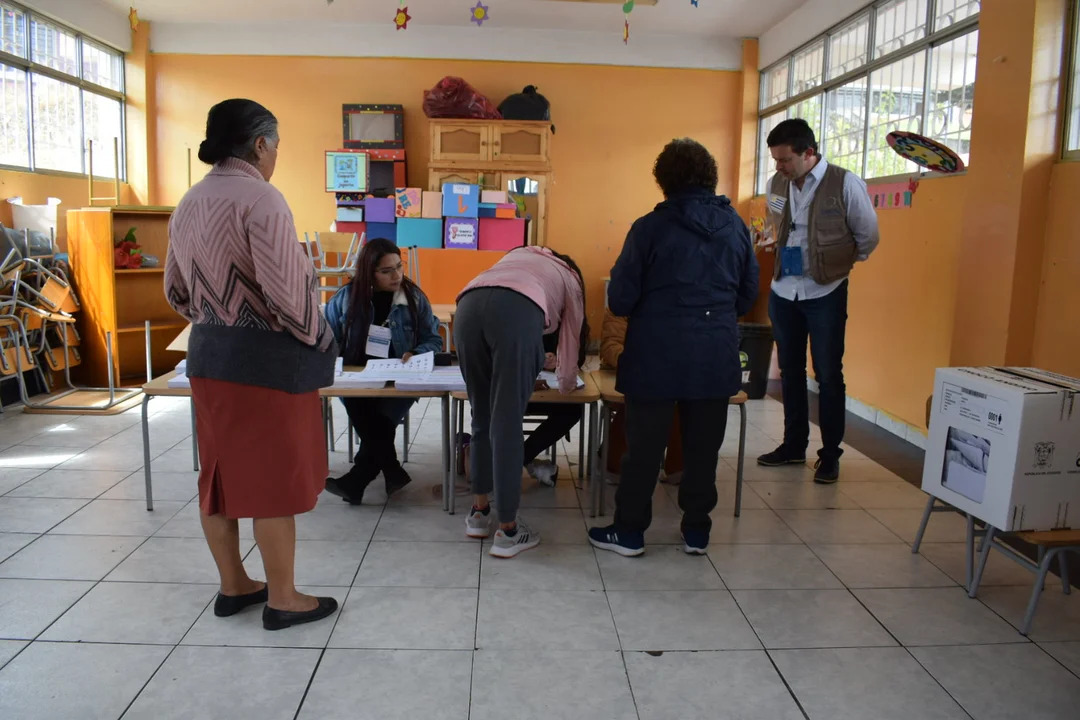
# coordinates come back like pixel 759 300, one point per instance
pixel 1004 446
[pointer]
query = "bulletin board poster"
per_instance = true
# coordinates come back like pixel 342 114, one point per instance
pixel 346 172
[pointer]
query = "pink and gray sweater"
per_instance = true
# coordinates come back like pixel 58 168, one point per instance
pixel 237 272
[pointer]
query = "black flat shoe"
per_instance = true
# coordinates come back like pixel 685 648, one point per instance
pixel 396 479
pixel 281 619
pixel 226 605
pixel 344 488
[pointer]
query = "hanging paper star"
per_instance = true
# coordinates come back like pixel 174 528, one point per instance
pixel 694 3
pixel 628 7
pixel 402 18
pixel 133 18
pixel 626 32
pixel 479 13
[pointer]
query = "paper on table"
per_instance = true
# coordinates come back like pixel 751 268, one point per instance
pixel 179 381
pixel 393 368
pixel 357 381
pixel 446 378
pixel 553 381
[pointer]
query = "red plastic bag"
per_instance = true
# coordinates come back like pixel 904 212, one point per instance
pixel 452 97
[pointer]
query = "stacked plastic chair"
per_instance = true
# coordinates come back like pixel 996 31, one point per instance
pixel 37 329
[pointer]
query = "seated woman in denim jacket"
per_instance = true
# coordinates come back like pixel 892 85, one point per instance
pixel 381 297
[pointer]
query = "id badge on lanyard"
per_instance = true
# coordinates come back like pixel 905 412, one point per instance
pixel 791 263
pixel 378 342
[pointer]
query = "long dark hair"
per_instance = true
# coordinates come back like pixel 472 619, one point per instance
pixel 583 338
pixel 361 292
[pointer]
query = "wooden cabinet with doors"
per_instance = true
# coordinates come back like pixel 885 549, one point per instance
pixel 119 303
pixel 510 155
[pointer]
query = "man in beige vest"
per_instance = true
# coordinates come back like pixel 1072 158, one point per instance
pixel 824 222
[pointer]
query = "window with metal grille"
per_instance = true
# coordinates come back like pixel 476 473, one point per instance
pixel 1071 135
pixel 58 90
pixel 895 65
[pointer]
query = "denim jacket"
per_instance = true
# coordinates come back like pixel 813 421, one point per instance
pixel 400 322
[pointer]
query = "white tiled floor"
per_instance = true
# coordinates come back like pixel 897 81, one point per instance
pixel 810 605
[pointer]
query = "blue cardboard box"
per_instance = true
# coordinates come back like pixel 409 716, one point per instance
pixel 420 232
pixel 382 230
pixel 461 200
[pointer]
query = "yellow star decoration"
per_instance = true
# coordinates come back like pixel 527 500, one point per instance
pixel 402 18
pixel 133 18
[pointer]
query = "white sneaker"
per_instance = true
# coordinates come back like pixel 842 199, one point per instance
pixel 505 546
pixel 544 472
pixel 478 525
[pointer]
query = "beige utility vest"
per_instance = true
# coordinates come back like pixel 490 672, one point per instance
pixel 831 249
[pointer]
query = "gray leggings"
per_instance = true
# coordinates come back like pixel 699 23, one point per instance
pixel 499 338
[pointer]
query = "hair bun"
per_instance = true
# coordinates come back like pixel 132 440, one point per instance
pixel 210 153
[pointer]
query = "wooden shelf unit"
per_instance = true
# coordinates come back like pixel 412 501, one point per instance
pixel 493 154
pixel 120 302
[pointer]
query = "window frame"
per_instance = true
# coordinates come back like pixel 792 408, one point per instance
pixel 925 44
pixel 1069 90
pixel 31 68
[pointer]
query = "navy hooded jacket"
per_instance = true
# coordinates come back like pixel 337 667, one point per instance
pixel 685 275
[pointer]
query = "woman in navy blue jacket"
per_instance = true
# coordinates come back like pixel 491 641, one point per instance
pixel 379 296
pixel 686 273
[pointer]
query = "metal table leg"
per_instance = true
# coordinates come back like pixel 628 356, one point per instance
pixel 596 477
pixel 405 441
pixel 742 459
pixel 448 468
pixel 582 470
pixel 146 452
pixel 988 540
pixel 930 500
pixel 451 480
pixel 969 553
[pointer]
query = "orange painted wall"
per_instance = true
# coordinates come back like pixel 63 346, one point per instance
pixel 611 122
pixel 900 310
pixel 34 188
pixel 1057 330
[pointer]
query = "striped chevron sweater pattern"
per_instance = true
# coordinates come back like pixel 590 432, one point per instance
pixel 234 259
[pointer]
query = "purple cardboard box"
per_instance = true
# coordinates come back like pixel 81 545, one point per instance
pixel 379 210
pixel 461 233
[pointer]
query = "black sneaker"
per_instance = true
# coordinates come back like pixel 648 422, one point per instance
pixel 396 478
pixel 826 471
pixel 782 456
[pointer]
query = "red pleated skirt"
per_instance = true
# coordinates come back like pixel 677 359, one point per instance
pixel 262 452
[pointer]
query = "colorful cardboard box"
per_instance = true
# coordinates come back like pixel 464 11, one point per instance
pixel 420 232
pixel 350 214
pixel 382 230
pixel 506 211
pixel 431 205
pixel 461 233
pixel 460 200
pixel 407 202
pixel 497 234
pixel 349 227
pixel 379 210
pixel 493 196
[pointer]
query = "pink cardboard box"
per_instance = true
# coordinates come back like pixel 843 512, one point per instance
pixel 499 234
pixel 408 202
pixel 493 196
pixel 460 233
pixel 431 204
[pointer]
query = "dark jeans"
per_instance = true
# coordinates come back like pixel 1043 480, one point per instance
pixel 561 419
pixel 375 421
pixel 824 320
pixel 648 424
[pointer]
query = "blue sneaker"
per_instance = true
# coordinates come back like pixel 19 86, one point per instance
pixel 695 542
pixel 627 543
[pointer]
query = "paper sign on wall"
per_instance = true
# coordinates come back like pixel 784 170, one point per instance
pixel 892 196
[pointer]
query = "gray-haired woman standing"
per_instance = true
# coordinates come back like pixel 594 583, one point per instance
pixel 259 351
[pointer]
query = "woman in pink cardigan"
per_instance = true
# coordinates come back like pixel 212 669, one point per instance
pixel 259 351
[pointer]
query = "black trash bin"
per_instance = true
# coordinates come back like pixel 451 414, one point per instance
pixel 755 351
